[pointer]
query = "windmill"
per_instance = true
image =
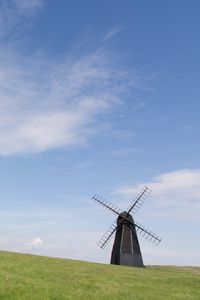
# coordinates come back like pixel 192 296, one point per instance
pixel 126 248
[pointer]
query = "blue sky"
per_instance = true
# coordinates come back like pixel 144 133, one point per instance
pixel 99 96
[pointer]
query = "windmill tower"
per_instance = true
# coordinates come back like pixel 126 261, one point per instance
pixel 126 248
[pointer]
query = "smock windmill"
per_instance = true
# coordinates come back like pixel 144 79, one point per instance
pixel 126 248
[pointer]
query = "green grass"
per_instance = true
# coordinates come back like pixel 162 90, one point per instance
pixel 34 277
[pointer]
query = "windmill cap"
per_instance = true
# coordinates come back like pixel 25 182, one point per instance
pixel 127 217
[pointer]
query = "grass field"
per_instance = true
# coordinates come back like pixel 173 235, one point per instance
pixel 34 277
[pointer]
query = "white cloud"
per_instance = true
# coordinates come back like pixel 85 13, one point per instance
pixel 57 106
pixel 45 104
pixel 175 194
pixel 36 242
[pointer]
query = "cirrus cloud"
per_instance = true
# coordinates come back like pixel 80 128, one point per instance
pixel 49 103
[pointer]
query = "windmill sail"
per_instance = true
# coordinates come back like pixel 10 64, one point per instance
pixel 141 197
pixel 107 237
pixel 152 237
pixel 107 204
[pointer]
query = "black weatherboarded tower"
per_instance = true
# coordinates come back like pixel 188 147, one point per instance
pixel 126 248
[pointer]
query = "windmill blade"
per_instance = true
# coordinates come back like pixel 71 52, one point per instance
pixel 152 237
pixel 141 197
pixel 107 204
pixel 107 237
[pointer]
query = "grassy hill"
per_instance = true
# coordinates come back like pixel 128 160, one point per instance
pixel 34 277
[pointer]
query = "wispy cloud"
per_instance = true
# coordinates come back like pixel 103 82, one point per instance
pixel 48 104
pixel 175 194
pixel 13 13
pixel 123 151
pixel 46 108
pixel 28 6
pixel 111 33
pixel 123 134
